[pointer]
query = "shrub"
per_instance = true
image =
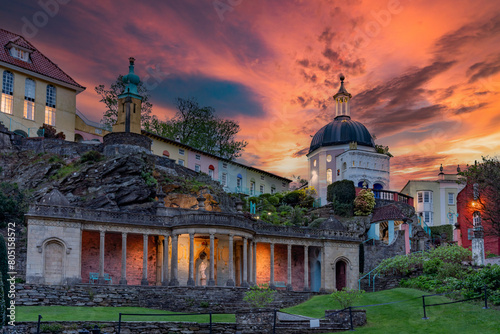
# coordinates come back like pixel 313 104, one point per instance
pixel 364 203
pixel 274 200
pixel 317 222
pixel 48 131
pixel 91 156
pixel 259 296
pixel 13 204
pixel 438 231
pixel 292 198
pixel 342 195
pixel 431 267
pixel 451 253
pixel 346 297
pixel 297 217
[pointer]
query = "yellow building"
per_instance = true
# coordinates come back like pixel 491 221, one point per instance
pixel 34 89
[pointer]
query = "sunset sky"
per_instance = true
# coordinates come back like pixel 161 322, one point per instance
pixel 424 75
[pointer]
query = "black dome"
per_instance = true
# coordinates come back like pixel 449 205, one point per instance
pixel 342 130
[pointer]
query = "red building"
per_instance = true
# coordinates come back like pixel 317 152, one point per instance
pixel 465 208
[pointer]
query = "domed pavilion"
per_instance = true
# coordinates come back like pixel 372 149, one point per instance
pixel 344 150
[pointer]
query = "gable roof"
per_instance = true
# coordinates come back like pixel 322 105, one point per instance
pixel 388 212
pixel 38 62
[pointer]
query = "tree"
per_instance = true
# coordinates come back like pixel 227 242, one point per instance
pixel 48 131
pixel 199 127
pixel 486 175
pixel 13 204
pixel 110 98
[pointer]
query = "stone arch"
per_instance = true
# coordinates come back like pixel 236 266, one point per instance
pixel 54 252
pixel 78 138
pixel 341 269
pixel 21 133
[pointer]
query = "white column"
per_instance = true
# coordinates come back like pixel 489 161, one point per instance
pixel 245 263
pixel 250 263
pixel 165 260
pixel 271 283
pixel 190 281
pixel 123 279
pixel 323 269
pixel 230 281
pixel 102 235
pixel 211 281
pixel 289 267
pixel 254 279
pixel 306 268
pixel 175 258
pixel 144 280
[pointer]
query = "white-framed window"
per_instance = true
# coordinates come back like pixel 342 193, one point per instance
pixel 427 216
pixel 261 188
pixel 252 188
pixel 197 157
pixel 7 92
pixel 224 165
pixel 50 105
pixel 273 190
pixel 262 177
pixel 328 158
pixel 314 163
pixel 181 151
pixel 181 162
pixel 211 174
pixel 239 182
pixel 424 197
pixel 329 176
pixel 197 168
pixel 29 99
pixel 451 199
pixel 19 53
pixel 224 179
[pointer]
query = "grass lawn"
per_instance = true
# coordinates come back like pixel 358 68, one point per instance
pixel 81 313
pixel 407 317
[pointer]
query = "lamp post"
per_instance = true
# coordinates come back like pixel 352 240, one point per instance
pixel 478 232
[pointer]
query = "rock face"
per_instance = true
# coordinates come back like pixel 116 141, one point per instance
pixel 89 179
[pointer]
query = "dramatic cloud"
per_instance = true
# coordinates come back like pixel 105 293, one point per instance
pixel 424 83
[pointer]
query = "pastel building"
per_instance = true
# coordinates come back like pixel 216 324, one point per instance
pixel 344 150
pixel 34 89
pixel 436 200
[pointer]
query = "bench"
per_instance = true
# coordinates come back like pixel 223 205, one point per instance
pixel 279 284
pixel 94 277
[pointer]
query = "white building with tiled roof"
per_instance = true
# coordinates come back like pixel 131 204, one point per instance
pixel 34 89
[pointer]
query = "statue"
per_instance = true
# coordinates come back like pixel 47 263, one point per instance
pixel 202 269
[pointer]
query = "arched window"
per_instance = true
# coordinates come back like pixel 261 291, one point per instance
pixel 360 184
pixel 7 92
pixel 329 176
pixel 50 106
pixel 29 99
pixel 166 154
pixel 78 138
pixel 378 186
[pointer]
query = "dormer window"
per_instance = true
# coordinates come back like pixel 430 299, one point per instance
pixel 19 52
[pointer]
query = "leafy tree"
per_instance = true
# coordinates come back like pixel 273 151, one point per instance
pixel 110 98
pixel 259 296
pixel 342 195
pixel 486 175
pixel 13 205
pixel 199 127
pixel 346 297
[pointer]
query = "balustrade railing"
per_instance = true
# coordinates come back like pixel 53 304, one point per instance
pixel 180 217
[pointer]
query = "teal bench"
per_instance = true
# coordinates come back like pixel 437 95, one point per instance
pixel 94 277
pixel 280 284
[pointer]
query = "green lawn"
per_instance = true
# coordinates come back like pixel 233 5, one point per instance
pixel 407 317
pixel 81 313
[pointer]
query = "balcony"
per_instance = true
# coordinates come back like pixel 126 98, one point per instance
pixel 389 195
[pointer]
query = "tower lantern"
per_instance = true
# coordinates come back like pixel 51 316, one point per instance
pixel 129 103
pixel 342 100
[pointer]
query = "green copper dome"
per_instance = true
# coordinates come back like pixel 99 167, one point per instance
pixel 131 81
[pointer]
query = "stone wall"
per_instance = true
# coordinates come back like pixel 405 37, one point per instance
pixel 344 318
pixel 374 254
pixel 179 299
pixel 111 327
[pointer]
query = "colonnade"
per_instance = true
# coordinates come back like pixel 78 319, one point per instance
pixel 170 275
